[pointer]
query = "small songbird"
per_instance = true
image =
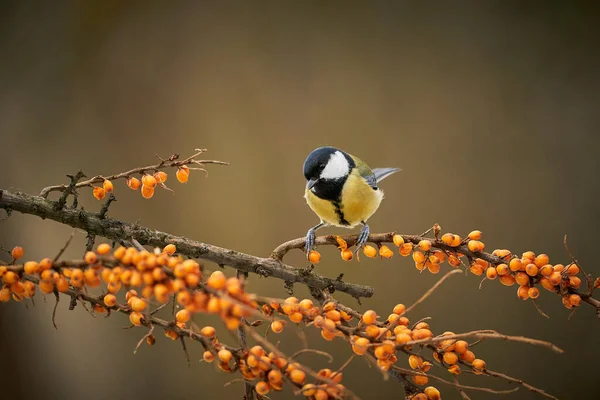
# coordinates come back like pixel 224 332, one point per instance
pixel 342 190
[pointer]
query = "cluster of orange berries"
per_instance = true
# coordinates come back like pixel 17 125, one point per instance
pixel 148 183
pixel 527 270
pixel 381 339
pixel 159 275
pixel 271 370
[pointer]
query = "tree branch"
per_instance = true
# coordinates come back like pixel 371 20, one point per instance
pixel 117 230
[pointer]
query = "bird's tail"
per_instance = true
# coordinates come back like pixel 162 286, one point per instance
pixel 382 173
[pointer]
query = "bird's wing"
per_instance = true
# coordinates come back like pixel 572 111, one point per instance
pixel 382 173
pixel 365 172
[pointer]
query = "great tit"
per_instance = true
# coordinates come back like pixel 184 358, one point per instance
pixel 342 190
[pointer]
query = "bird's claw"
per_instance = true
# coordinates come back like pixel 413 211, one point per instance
pixel 363 236
pixel 310 241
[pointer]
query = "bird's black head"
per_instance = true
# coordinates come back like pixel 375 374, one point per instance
pixel 326 170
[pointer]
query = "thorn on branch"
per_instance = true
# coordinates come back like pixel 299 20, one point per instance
pixel 54 310
pixel 104 209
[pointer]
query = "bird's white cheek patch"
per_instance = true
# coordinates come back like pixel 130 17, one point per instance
pixel 337 167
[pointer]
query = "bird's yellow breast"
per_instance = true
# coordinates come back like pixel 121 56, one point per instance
pixel 358 202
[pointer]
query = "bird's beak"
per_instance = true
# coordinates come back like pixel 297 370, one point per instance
pixel 311 183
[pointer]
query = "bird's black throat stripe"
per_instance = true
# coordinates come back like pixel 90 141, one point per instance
pixel 340 213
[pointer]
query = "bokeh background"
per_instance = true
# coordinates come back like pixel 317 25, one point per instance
pixel 490 108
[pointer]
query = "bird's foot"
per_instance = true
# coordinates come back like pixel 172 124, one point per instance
pixel 363 236
pixel 310 241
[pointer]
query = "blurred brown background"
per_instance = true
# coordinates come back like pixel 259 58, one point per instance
pixel 490 108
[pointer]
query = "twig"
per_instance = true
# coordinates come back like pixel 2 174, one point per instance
pixel 313 351
pixel 54 310
pixel 456 385
pixel 484 334
pixel 67 243
pixel 432 289
pixel 185 350
pixel 460 389
pixel 171 162
pixel 519 382
pixel 147 335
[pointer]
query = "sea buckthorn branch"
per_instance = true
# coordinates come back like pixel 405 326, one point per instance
pixel 117 230
pixel 171 162
pixel 164 275
pixel 528 271
pixel 379 343
pixel 215 295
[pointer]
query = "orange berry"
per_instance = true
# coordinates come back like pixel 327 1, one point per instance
pixel 546 284
pixel 171 334
pixel 522 278
pixel 454 370
pixel 147 192
pixel 369 251
pixel 531 269
pixel 450 358
pixel 169 249
pixel 296 317
pixel 491 273
pixel 507 280
pixel 420 379
pixel 523 292
pixel 533 293
pixel 398 240
pixel 136 318
pixel 217 280
pixel 399 309
pixel 547 270
pixel 418 257
pixel 478 366
pixel 99 193
pixel 224 355
pixel 347 254
pixel 414 361
pixel 138 304
pixel 17 252
pixel 461 347
pixel 107 186
pixel 31 267
pixel 453 260
pixel 541 260
pixel 149 181
pixel 161 293
pixel 314 256
pixel 468 356
pixel 575 300
pixel 262 388
pixel 385 252
pixel 431 392
pixel 90 257
pixel 572 269
pixel 555 278
pixel 208 331
pixel 369 317
pixel 574 282
pixel 475 246
pixel 424 245
pixel 515 265
pixel 475 235
pixel 182 175
pixel 327 335
pixel 298 376
pixel 110 299
pixel 160 176
pixel 182 316
pixel 277 326
pixel 451 239
pixel 405 249
pixel 10 277
pixel 133 183
pixel 103 248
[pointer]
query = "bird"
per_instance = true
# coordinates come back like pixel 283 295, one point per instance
pixel 342 190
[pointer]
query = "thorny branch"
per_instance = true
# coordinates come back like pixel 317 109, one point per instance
pixel 280 251
pixel 172 161
pixel 117 230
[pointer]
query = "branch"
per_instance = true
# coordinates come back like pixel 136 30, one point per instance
pixel 170 162
pixel 117 230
